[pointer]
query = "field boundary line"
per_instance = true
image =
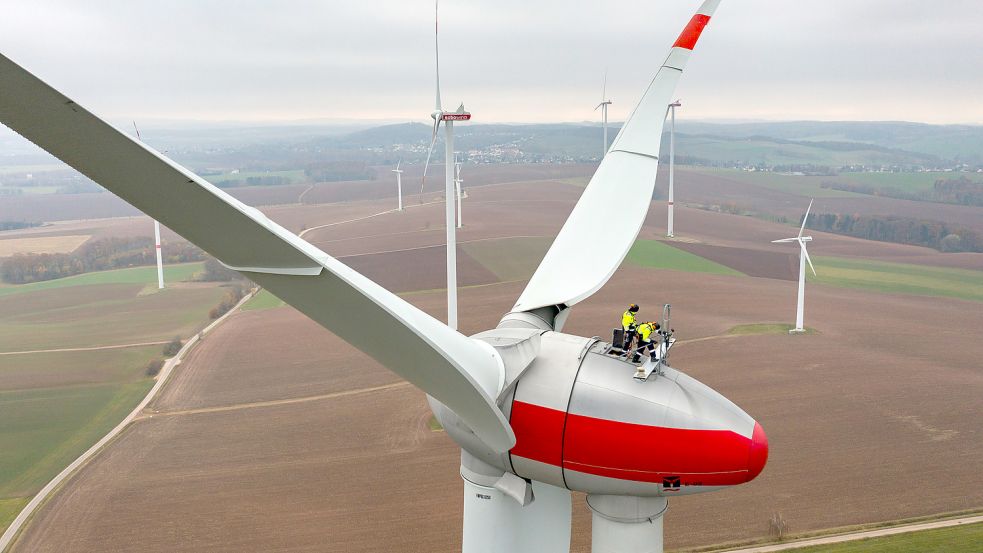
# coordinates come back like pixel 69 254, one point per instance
pixel 93 348
pixel 864 534
pixel 25 514
pixel 274 402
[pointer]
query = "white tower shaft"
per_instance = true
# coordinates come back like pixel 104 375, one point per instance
pixel 604 115
pixel 672 165
pixel 399 189
pixel 458 191
pixel 800 304
pixel 451 226
pixel 625 524
pixel 160 261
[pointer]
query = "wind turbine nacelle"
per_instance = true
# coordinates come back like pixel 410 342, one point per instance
pixel 584 423
pixel 455 117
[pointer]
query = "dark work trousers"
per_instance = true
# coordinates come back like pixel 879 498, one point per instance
pixel 642 346
pixel 629 337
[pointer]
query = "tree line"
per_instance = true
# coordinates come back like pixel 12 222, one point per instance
pixel 961 191
pixel 97 255
pixel 903 230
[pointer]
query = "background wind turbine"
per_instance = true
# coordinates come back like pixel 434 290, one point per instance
pixel 447 117
pixel 577 421
pixel 399 185
pixel 160 261
pixel 803 257
pixel 672 162
pixel 459 191
pixel 605 102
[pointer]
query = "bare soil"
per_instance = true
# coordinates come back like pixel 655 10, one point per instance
pixel 871 418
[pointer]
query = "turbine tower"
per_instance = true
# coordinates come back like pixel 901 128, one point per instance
pixel 538 413
pixel 672 162
pixel 458 190
pixel 399 185
pixel 160 261
pixel 803 257
pixel 447 118
pixel 603 106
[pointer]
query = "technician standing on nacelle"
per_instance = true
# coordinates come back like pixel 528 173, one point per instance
pixel 645 331
pixel 629 326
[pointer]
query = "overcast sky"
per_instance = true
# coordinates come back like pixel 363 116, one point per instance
pixel 509 60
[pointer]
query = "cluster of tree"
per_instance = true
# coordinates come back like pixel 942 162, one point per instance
pixel 216 272
pixel 172 347
pixel 232 297
pixel 961 191
pixel 14 225
pixel 333 171
pixel 154 366
pixel 903 230
pixel 98 255
pixel 273 180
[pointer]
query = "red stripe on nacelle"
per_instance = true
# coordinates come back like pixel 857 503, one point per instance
pixel 687 39
pixel 636 452
pixel 541 431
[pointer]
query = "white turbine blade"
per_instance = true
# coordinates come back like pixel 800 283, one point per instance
pixel 804 219
pixel 604 88
pixel 433 142
pixel 783 240
pixel 604 223
pixel 456 370
pixel 398 163
pixel 805 252
pixel 494 521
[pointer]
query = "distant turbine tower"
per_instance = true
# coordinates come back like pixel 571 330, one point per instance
pixel 604 112
pixel 672 161
pixel 160 261
pixel 448 118
pixel 399 184
pixel 803 257
pixel 458 190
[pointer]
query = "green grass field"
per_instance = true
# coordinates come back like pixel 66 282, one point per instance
pixel 898 278
pixel 55 405
pixel 136 275
pixel 43 430
pixel 659 255
pixel 9 509
pixel 263 300
pixel 908 182
pixel 509 258
pixel 97 318
pixel 761 328
pixel 956 539
pixel 807 187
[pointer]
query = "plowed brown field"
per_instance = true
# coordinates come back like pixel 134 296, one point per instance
pixel 277 436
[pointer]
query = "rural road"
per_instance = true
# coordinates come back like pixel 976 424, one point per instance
pixel 877 533
pixel 8 536
pixel 93 348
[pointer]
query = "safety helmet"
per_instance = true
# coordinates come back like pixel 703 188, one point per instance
pixel 633 308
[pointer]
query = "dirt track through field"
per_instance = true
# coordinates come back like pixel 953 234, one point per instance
pixel 253 405
pixel 867 421
pixel 94 348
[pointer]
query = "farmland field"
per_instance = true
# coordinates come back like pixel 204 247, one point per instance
pixel 263 300
pixel 660 255
pixel 898 278
pixel 135 275
pixel 955 539
pixel 73 359
pixel 44 244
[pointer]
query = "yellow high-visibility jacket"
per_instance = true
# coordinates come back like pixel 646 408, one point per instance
pixel 645 330
pixel 628 321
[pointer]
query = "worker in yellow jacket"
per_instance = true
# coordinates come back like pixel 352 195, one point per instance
pixel 646 340
pixel 629 326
